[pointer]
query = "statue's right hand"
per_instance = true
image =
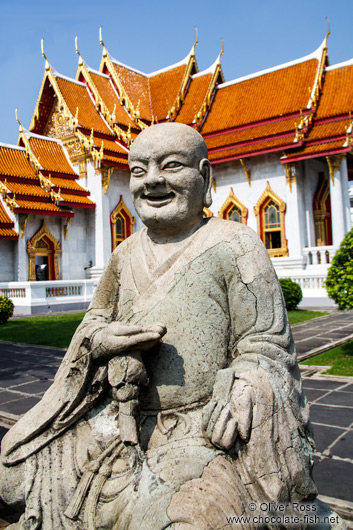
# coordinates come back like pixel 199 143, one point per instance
pixel 117 339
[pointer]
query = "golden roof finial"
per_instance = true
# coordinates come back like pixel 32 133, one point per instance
pixel 220 54
pixel 329 28
pixel 47 65
pixel 196 41
pixel 80 60
pixel 18 121
pixel 102 43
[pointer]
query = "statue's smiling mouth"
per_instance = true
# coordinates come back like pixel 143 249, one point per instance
pixel 158 198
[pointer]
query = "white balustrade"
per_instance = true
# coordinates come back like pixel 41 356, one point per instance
pixel 319 255
pixel 42 296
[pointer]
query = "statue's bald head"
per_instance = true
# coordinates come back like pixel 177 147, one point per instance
pixel 170 178
pixel 175 135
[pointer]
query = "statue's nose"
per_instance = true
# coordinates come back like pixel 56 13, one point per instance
pixel 154 177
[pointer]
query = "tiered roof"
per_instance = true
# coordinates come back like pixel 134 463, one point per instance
pixel 37 177
pixel 331 131
pixel 264 112
pixel 301 108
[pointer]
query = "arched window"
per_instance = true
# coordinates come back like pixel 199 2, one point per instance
pixel 272 225
pixel 121 223
pixel 43 256
pixel 269 212
pixel 233 209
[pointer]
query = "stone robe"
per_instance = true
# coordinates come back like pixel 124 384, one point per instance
pixel 227 327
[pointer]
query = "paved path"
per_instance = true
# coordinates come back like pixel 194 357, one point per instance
pixel 323 333
pixel 27 371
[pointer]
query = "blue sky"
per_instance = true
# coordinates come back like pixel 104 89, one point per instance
pixel 152 34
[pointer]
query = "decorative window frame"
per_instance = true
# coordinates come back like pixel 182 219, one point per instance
pixel 231 201
pixel 53 253
pixel 267 196
pixel 123 210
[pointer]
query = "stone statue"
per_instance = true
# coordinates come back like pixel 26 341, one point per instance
pixel 179 400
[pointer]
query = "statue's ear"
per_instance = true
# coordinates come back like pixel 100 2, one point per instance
pixel 206 171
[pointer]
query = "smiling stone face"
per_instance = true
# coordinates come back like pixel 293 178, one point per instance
pixel 169 178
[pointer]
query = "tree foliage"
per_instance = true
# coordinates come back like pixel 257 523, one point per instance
pixel 339 281
pixel 6 309
pixel 292 293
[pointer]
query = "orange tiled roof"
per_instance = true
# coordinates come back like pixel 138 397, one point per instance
pixel 109 145
pixel 253 133
pixel 77 199
pixel 51 156
pixel 33 190
pixel 39 206
pixel 4 218
pixel 137 87
pixel 329 129
pixel 67 184
pixel 14 162
pixel 8 233
pixel 252 149
pixel 122 161
pixel 109 96
pixel 337 93
pixel 76 96
pixel 194 98
pixel 318 149
pixel 277 93
pixel 164 88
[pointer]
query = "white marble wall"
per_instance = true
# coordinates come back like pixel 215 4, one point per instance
pixel 7 259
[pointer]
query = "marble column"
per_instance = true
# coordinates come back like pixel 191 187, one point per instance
pixel 338 214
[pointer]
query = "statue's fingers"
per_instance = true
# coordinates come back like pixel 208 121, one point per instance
pixel 230 434
pixel 143 340
pixel 215 414
pixel 157 328
pixel 220 427
pixel 242 410
pixel 119 329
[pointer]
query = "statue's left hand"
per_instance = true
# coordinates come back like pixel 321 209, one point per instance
pixel 235 419
pixel 228 415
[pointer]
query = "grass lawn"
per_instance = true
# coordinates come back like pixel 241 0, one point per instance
pixel 340 359
pixel 57 330
pixel 300 315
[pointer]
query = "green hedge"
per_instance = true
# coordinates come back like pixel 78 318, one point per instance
pixel 339 281
pixel 6 309
pixel 292 293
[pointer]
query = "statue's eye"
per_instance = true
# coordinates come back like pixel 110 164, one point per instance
pixel 137 171
pixel 173 164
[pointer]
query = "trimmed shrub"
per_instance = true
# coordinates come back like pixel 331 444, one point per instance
pixel 6 309
pixel 292 293
pixel 339 281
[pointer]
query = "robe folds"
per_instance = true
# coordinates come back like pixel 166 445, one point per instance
pixel 227 327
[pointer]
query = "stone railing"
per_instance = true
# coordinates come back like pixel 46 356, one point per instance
pixel 319 255
pixel 312 285
pixel 45 297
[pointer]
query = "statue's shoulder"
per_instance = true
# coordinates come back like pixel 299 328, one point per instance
pixel 125 246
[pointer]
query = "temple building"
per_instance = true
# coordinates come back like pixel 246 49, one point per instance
pixel 280 143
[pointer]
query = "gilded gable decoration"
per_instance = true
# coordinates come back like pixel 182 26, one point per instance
pixel 106 174
pixel 23 223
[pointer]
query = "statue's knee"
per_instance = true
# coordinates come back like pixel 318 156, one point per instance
pixel 11 486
